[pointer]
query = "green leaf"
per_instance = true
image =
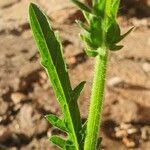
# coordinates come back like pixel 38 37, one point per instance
pixel 55 121
pixel 50 50
pixel 77 91
pixel 115 7
pixel 85 37
pixel 128 32
pixel 82 6
pixel 60 142
pixel 113 33
pixel 68 147
pixel 99 7
pixel 51 58
pixel 116 47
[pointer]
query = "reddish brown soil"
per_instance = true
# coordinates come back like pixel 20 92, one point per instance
pixel 26 95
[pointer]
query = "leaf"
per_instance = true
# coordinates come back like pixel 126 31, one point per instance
pixel 99 7
pixel 60 142
pixel 116 47
pixel 55 121
pixel 115 7
pixel 113 33
pixel 85 37
pixel 82 6
pixel 77 91
pixel 50 50
pixel 128 32
pixel 51 57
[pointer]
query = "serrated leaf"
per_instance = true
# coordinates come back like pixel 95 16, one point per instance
pixel 82 6
pixel 60 142
pixel 56 122
pixel 53 61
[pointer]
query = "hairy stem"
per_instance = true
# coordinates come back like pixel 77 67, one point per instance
pixel 94 117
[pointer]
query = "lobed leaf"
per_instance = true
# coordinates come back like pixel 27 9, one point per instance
pixel 55 121
pixel 52 59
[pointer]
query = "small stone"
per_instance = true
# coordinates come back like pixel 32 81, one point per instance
pixel 121 133
pixel 17 97
pixel 125 126
pixel 71 60
pixel 17 107
pixel 46 86
pixel 3 107
pixel 115 81
pixel 43 75
pixel 128 143
pixel 132 131
pixel 145 133
pixel 146 67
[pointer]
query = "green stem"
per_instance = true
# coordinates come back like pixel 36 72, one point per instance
pixel 94 118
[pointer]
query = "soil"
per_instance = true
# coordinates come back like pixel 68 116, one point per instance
pixel 26 94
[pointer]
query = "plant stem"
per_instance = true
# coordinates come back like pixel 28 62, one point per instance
pixel 94 118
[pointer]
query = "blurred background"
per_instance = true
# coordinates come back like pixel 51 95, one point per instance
pixel 25 92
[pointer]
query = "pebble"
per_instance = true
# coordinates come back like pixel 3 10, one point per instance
pixel 132 131
pixel 121 133
pixel 146 67
pixel 3 107
pixel 128 143
pixel 17 97
pixel 125 126
pixel 115 81
pixel 43 75
pixel 145 133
